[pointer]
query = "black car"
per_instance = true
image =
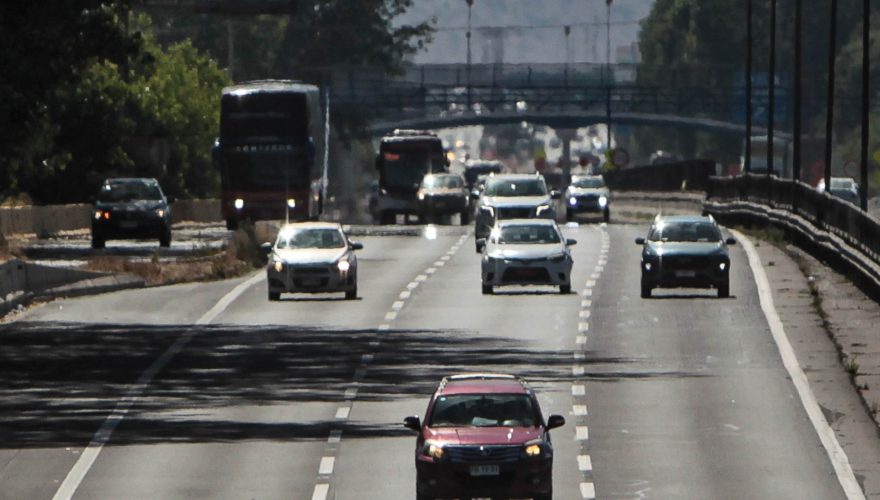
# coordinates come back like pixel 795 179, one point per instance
pixel 442 195
pixel 587 194
pixel 131 208
pixel 685 251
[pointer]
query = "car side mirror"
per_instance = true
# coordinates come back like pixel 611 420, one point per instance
pixel 570 242
pixel 640 241
pixel 730 241
pixel 481 242
pixel 413 423
pixel 555 194
pixel 266 248
pixel 555 421
pixel 475 193
pixel 356 245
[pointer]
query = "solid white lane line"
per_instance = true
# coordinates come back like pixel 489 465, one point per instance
pixel 342 412
pixel 578 390
pixel 87 458
pixel 584 463
pixel 582 433
pixel 826 434
pixel 588 491
pixel 579 410
pixel 321 491
pixel 326 466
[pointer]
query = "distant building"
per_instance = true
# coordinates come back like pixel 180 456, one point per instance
pixel 627 58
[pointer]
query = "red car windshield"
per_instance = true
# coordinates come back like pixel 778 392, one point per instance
pixel 483 410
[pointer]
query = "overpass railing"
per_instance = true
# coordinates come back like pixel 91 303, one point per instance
pixel 858 229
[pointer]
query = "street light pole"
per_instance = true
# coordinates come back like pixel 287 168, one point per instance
pixel 470 4
pixel 608 74
pixel 771 112
pixel 866 103
pixel 829 114
pixel 747 150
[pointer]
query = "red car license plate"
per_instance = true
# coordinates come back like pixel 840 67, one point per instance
pixel 485 470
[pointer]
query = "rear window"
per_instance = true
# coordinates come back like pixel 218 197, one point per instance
pixel 483 410
pixel 685 231
pixel 516 187
pixel 116 192
pixel 539 235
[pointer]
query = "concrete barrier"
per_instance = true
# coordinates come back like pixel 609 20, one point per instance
pixel 52 219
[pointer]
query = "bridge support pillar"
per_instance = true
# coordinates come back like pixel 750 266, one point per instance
pixel 566 135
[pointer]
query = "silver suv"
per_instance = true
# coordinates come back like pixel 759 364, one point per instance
pixel 512 196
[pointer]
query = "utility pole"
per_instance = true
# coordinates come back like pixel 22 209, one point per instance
pixel 747 150
pixel 798 87
pixel 470 4
pixel 829 115
pixel 608 73
pixel 866 99
pixel 771 112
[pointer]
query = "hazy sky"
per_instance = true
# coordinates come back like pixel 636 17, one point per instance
pixel 532 30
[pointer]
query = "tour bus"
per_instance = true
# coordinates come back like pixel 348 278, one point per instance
pixel 270 151
pixel 405 157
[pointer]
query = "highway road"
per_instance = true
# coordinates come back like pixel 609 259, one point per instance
pixel 207 390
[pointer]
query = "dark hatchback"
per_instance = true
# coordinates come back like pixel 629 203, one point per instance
pixel 131 208
pixel 484 436
pixel 685 251
pixel 443 195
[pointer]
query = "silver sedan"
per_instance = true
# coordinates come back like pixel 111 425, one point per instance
pixel 312 257
pixel 526 252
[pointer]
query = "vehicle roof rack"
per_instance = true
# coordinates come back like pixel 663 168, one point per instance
pixel 480 376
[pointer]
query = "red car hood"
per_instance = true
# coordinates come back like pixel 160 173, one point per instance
pixel 483 435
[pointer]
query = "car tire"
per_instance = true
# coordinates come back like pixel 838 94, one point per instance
pixel 478 247
pixel 569 216
pixel 488 289
pixel 98 242
pixel 165 238
pixel 351 294
pixel 606 216
pixel 723 290
pixel 464 218
pixel 646 291
pixel 565 289
pixel 274 296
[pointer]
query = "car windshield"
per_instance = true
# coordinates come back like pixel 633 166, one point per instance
pixel 842 184
pixel 685 231
pixel 516 187
pixel 483 410
pixel 589 183
pixel 310 238
pixel 442 181
pixel 528 235
pixel 116 192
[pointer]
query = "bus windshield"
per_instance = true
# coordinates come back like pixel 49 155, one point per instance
pixel 275 115
pixel 405 167
pixel 254 168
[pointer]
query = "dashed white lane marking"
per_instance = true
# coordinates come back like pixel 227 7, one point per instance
pixel 591 283
pixel 581 339
pixel 578 390
pixel 585 313
pixel 826 434
pixel 586 303
pixel 579 356
pixel 390 316
pixel 412 285
pixel 584 463
pixel 582 433
pixel 342 412
pixel 588 292
pixel 351 393
pixel 583 326
pixel 326 466
pixel 430 270
pixel 87 458
pixel 383 328
pixel 577 371
pixel 579 410
pixel 588 490
pixel 397 305
pixel 421 278
pixel 335 436
pixel 321 491
pixel 446 257
pixel 405 294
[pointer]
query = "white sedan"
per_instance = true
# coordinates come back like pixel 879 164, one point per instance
pixel 312 257
pixel 526 252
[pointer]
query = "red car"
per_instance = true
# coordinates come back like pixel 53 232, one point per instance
pixel 484 436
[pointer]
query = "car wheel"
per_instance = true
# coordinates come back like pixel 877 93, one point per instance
pixel 165 239
pixel 646 291
pixel 464 218
pixel 606 216
pixel 97 242
pixel 488 289
pixel 351 294
pixel 273 296
pixel 569 216
pixel 565 289
pixel 478 247
pixel 724 290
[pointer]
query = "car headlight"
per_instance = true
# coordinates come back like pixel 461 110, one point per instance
pixel 343 266
pixel 541 209
pixel 603 201
pixel 160 212
pixel 238 203
pixel 421 196
pixel 291 203
pixel 647 266
pixel 433 449
pixel 572 201
pixel 533 448
pixel 278 266
pixel 557 258
pixel 722 266
pixel 100 213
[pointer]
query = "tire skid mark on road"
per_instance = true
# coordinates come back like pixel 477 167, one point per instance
pixel 324 480
pixel 578 389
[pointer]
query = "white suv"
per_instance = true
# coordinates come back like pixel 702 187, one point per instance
pixel 512 196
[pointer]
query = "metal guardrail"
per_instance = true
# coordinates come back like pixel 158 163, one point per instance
pixel 858 229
